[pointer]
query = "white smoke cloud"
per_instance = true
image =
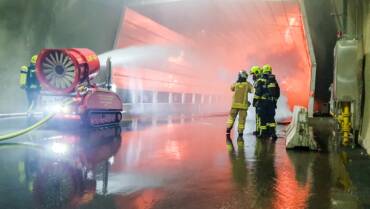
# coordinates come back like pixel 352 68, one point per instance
pixel 283 112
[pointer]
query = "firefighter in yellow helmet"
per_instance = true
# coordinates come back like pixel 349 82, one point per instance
pixel 29 82
pixel 272 94
pixel 256 72
pixel 240 103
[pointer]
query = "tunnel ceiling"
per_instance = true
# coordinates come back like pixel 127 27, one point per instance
pixel 242 33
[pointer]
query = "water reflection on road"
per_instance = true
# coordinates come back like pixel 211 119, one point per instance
pixel 169 163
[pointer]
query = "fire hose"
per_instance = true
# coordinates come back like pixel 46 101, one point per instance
pixel 34 126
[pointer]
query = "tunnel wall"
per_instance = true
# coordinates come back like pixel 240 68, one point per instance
pixel 323 34
pixel 364 138
pixel 165 72
pixel 28 26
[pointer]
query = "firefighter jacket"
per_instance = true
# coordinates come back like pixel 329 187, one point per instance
pixel 273 88
pixel 240 98
pixel 261 93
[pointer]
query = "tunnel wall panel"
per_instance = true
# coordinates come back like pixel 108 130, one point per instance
pixel 137 29
pixel 157 62
pixel 364 138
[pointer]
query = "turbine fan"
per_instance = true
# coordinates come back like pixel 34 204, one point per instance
pixel 61 70
pixel 58 70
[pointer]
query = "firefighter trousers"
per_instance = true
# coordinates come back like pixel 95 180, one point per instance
pixel 267 116
pixel 242 119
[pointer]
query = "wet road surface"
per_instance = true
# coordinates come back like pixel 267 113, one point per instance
pixel 173 162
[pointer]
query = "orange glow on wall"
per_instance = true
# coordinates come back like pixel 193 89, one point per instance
pixel 224 38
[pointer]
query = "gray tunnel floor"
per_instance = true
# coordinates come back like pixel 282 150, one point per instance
pixel 178 162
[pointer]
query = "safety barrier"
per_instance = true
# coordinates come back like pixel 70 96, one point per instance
pixel 299 133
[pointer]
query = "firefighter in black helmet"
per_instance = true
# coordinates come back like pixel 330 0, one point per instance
pixel 240 103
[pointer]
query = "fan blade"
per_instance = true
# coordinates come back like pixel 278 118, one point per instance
pixel 50 61
pixel 53 81
pixel 70 69
pixel 59 58
pixel 59 85
pixel 48 70
pixel 46 65
pixel 69 79
pixel 52 58
pixel 64 83
pixel 50 76
pixel 69 64
pixel 69 75
pixel 65 60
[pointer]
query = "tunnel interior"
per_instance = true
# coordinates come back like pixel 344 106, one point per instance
pixel 182 53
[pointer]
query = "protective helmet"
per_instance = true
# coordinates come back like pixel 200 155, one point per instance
pixel 266 69
pixel 255 70
pixel 243 73
pixel 242 76
pixel 34 59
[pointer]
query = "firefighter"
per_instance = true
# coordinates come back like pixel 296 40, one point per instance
pixel 28 81
pixel 256 73
pixel 273 94
pixel 260 103
pixel 240 102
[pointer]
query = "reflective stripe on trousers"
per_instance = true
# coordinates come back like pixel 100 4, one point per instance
pixel 272 125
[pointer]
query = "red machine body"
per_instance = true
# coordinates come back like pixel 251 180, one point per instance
pixel 67 72
pixel 100 107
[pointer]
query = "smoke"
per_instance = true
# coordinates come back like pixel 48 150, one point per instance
pixel 283 112
pixel 232 35
pixel 203 54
